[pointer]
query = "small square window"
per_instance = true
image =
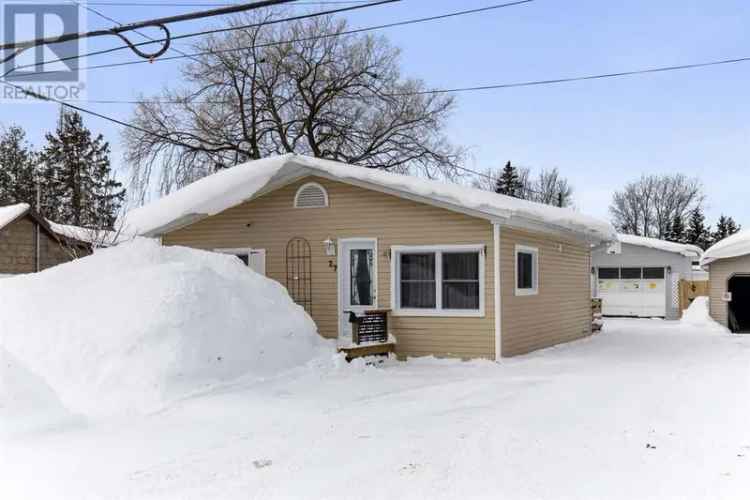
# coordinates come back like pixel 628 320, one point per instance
pixel 527 270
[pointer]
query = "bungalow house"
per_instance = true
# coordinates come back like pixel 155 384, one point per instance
pixel 29 244
pixel 728 265
pixel 638 276
pixel 455 271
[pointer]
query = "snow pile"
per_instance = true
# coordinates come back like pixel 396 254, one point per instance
pixel 736 245
pixel 132 327
pixel 697 315
pixel 231 187
pixel 657 244
pixel 11 212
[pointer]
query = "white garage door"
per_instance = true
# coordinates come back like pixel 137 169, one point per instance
pixel 632 291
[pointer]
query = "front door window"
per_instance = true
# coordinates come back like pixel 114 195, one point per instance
pixel 360 275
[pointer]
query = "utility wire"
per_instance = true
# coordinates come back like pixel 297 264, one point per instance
pixel 115 21
pixel 16 48
pixel 270 44
pixel 532 83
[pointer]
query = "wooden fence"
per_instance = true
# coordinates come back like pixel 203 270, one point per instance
pixel 689 290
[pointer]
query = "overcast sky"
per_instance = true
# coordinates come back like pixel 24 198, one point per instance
pixel 600 134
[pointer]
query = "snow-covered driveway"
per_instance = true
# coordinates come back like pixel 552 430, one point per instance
pixel 646 409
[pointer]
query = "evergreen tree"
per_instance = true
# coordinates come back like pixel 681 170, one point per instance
pixel 78 187
pixel 697 232
pixel 724 227
pixel 17 168
pixel 676 230
pixel 509 182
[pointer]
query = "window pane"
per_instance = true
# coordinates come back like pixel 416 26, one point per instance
pixel 461 280
pixel 361 289
pixel 525 270
pixel 630 273
pixel 417 266
pixel 418 281
pixel 458 295
pixel 653 273
pixel 244 258
pixel 609 273
pixel 418 295
pixel 461 266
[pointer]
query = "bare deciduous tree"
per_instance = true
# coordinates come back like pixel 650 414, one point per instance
pixel 648 206
pixel 298 87
pixel 549 187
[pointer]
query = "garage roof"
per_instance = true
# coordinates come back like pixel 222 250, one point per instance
pixel 657 244
pixel 736 245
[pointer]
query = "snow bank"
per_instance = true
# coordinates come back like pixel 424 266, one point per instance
pixel 11 212
pixel 736 245
pixel 131 327
pixel 657 244
pixel 228 188
pixel 697 315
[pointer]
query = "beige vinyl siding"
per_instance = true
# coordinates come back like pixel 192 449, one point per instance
pixel 719 273
pixel 561 311
pixel 270 221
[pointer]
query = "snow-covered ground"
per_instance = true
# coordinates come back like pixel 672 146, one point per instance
pixel 646 409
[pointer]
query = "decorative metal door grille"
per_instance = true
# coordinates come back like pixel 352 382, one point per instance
pixel 298 276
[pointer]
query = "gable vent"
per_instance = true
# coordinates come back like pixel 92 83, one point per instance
pixel 311 195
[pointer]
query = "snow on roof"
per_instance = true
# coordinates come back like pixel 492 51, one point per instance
pixel 228 188
pixel 98 237
pixel 12 212
pixel 736 245
pixel 657 244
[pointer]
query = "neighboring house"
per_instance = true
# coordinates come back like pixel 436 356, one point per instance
pixel 728 265
pixel 28 244
pixel 463 272
pixel 640 276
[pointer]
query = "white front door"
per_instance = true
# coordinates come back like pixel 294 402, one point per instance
pixel 358 284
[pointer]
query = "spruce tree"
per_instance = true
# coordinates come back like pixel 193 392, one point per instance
pixel 724 227
pixel 509 182
pixel 676 232
pixel 78 185
pixel 697 232
pixel 17 168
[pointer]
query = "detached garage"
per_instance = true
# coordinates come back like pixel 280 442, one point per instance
pixel 728 263
pixel 640 276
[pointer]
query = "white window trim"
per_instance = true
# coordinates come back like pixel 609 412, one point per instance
pixel 308 184
pixel 397 310
pixel 243 251
pixel 534 290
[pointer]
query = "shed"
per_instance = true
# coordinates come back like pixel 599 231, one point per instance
pixel 640 276
pixel 29 244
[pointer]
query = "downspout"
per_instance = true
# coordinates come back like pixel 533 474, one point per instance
pixel 497 290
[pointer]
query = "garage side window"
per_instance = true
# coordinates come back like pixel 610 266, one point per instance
pixel 253 258
pixel 527 270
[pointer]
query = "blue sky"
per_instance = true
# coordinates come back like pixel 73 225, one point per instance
pixel 600 134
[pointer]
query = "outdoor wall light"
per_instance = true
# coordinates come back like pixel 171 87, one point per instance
pixel 330 247
pixel 669 269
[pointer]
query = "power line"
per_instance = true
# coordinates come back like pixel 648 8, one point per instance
pixel 331 35
pixel 212 4
pixel 489 87
pixel 112 20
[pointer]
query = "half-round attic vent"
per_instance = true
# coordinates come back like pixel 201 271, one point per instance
pixel 311 195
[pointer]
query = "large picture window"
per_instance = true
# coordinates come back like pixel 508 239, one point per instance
pixel 440 280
